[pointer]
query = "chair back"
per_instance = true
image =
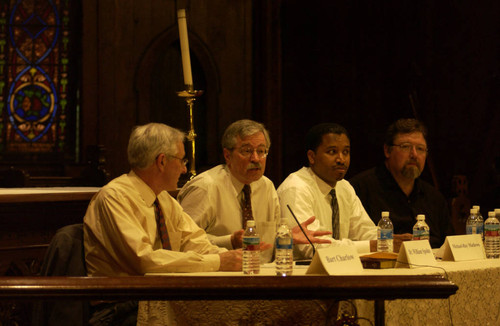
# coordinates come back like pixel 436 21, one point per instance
pixel 64 257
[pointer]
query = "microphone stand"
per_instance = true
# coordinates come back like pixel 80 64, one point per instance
pixel 301 229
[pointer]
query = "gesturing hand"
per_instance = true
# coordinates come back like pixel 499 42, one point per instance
pixel 300 238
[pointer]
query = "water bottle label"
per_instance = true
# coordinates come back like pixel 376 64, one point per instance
pixel 491 230
pixel 251 243
pixel 491 233
pixel 283 243
pixel 420 235
pixel 474 229
pixel 471 229
pixel 385 234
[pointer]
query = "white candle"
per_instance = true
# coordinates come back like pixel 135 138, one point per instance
pixel 183 35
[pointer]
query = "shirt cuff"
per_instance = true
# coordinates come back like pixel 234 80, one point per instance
pixel 362 247
pixel 213 260
pixel 223 241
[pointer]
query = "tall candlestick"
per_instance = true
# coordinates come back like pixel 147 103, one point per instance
pixel 183 35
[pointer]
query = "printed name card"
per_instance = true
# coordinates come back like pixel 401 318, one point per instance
pixel 415 254
pixel 337 260
pixel 464 247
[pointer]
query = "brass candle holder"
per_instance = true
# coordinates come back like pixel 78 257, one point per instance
pixel 190 96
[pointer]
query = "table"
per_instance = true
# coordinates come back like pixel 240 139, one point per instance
pixel 312 299
pixel 218 287
pixel 477 301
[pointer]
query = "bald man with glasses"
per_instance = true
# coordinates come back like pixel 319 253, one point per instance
pixel 396 186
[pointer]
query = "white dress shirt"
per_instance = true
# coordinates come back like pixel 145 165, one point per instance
pixel 121 235
pixel 308 196
pixel 214 200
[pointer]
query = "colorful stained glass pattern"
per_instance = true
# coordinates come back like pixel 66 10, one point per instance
pixel 33 67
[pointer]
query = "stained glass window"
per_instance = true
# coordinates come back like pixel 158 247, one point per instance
pixel 37 90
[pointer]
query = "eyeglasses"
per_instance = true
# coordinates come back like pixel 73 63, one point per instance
pixel 407 147
pixel 184 161
pixel 247 151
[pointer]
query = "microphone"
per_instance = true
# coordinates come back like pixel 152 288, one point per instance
pixel 301 229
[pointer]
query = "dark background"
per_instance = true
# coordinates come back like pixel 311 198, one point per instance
pixel 292 64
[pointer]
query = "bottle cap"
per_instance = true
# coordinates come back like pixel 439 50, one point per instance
pixel 497 212
pixel 385 214
pixel 491 214
pixel 251 223
pixel 473 210
pixel 420 217
pixel 476 207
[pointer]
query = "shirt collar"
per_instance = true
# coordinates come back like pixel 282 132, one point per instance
pixel 147 194
pixel 386 177
pixel 238 186
pixel 324 187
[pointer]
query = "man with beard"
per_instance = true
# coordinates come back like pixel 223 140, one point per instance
pixel 395 185
pixel 320 190
pixel 216 199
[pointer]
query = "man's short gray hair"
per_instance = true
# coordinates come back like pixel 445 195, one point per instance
pixel 243 128
pixel 148 141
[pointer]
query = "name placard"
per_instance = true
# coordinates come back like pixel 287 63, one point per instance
pixel 464 247
pixel 415 254
pixel 336 260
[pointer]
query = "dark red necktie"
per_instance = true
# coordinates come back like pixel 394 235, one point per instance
pixel 162 228
pixel 247 206
pixel 335 216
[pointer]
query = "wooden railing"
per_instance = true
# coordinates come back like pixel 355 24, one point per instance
pixel 230 287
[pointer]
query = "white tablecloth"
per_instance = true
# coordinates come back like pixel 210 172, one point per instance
pixel 477 302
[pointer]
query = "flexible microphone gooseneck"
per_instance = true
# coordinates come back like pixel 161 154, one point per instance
pixel 301 229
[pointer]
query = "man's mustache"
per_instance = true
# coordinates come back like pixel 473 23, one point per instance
pixel 254 166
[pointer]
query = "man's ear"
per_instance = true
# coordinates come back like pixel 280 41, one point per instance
pixel 160 161
pixel 387 150
pixel 227 154
pixel 310 156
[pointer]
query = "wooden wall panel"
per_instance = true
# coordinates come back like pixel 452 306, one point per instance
pixel 292 66
pixel 120 34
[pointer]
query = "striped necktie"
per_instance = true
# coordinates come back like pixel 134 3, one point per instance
pixel 162 228
pixel 247 206
pixel 335 216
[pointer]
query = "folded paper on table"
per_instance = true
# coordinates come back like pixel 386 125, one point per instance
pixel 415 253
pixel 464 247
pixel 336 260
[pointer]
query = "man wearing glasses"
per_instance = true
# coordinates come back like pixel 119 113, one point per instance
pixel 396 186
pixel 215 199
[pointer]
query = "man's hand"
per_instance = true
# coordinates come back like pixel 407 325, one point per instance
pixel 237 239
pixel 300 238
pixel 230 260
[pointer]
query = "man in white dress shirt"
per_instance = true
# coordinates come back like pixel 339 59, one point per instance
pixel 133 226
pixel 121 230
pixel 215 198
pixel 308 192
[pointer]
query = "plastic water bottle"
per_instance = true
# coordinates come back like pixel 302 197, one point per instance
pixel 284 250
pixel 492 236
pixel 251 249
pixel 385 230
pixel 474 224
pixel 478 212
pixel 421 229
